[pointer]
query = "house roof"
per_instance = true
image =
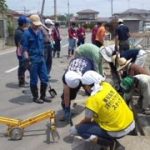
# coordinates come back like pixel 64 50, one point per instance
pixel 104 19
pixel 135 11
pixel 87 11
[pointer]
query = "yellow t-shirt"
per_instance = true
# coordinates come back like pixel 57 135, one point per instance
pixel 111 111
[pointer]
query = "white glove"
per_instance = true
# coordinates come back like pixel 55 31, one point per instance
pixel 73 131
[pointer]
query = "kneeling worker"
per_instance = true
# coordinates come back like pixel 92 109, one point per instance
pixel 107 115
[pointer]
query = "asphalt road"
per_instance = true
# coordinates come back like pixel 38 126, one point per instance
pixel 16 104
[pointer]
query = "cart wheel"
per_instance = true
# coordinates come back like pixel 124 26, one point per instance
pixel 16 133
pixel 52 93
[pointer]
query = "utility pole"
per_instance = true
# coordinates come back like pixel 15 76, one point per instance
pixel 68 19
pixel 111 7
pixel 42 9
pixel 55 10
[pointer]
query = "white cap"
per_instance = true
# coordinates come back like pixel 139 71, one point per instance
pixel 73 78
pixel 92 77
pixel 107 52
pixel 120 20
pixel 49 21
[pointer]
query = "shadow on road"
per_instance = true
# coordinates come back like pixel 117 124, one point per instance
pixel 21 100
pixel 68 139
pixel 13 85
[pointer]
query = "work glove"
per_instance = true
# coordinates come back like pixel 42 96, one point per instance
pixel 67 115
pixel 73 131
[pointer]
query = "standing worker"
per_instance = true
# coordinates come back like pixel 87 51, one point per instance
pixel 122 35
pixel 48 44
pixel 94 31
pixel 80 35
pixel 57 39
pixel 33 50
pixel 100 35
pixel 23 22
pixel 72 39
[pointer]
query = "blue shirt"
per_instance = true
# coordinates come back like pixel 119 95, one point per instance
pixel 123 32
pixel 132 53
pixel 33 43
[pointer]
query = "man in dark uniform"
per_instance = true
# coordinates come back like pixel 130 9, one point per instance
pixel 22 25
pixel 121 36
pixel 33 50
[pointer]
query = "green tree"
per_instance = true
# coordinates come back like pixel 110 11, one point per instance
pixel 3 6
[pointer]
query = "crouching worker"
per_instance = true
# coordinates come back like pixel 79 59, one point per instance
pixel 107 116
pixel 141 84
pixel 71 82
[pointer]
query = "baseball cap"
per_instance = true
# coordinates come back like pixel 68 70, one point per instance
pixel 127 83
pixel 23 20
pixel 120 20
pixel 49 21
pixel 35 19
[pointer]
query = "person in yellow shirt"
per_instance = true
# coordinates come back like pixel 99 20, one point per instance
pixel 107 115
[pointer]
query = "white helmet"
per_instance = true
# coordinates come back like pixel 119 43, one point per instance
pixel 49 21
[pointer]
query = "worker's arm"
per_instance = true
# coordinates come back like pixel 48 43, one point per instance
pixel 66 95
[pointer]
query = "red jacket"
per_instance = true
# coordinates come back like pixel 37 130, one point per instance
pixel 81 33
pixel 94 31
pixel 72 33
pixel 55 34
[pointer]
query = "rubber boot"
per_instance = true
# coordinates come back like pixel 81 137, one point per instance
pixel 34 91
pixel 43 93
pixel 21 81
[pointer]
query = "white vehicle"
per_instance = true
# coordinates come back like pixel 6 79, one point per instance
pixel 147 26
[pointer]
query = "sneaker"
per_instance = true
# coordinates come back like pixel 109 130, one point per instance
pixel 93 139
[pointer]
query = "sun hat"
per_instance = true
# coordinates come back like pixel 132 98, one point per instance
pixel 49 22
pixel 35 19
pixel 122 63
pixel 127 83
pixel 73 78
pixel 107 52
pixel 92 77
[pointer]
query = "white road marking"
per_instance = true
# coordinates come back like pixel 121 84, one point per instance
pixel 11 51
pixel 15 68
pixel 11 70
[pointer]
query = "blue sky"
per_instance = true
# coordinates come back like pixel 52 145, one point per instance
pixel 102 6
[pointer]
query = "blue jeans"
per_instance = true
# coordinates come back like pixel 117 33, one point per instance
pixel 85 130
